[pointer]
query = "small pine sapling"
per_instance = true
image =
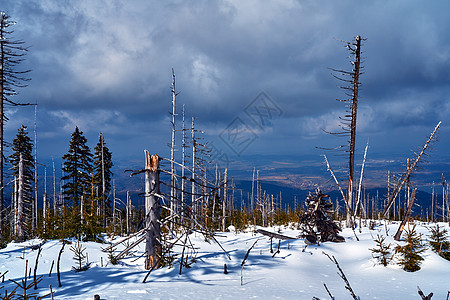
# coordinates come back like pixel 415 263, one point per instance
pixel 112 259
pixel 382 253
pixel 7 296
pixel 24 287
pixel 411 252
pixel 439 241
pixel 80 256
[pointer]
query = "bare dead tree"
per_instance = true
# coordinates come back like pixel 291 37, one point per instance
pixel 12 53
pixel 35 217
pixel 398 234
pixel 443 197
pixel 360 180
pixel 408 173
pixel 183 169
pixel 348 121
pixel 224 202
pixel 152 211
pixel 103 204
pixel 20 221
pixel 172 150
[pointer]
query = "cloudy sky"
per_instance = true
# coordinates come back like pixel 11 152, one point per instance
pixel 105 66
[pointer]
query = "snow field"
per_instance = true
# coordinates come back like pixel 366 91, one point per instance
pixel 294 273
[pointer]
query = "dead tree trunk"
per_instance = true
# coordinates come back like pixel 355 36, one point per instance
pixel 193 178
pixel 2 117
pixel 406 217
pixel 348 122
pixel 11 55
pixel 443 198
pixel 152 211
pixel 54 187
pixel 44 201
pixel 224 202
pixel 183 160
pixel 358 199
pixel 402 181
pixel 20 203
pixel 172 158
pixel 35 205
pixel 103 204
pixel 354 106
pixel 128 211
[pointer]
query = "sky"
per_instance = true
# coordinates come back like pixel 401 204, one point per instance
pixel 106 66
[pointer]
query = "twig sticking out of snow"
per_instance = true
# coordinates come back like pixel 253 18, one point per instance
pixel 328 291
pixel 342 275
pixel 278 249
pixel 421 294
pixel 245 260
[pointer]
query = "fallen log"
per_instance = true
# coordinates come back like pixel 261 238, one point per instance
pixel 274 235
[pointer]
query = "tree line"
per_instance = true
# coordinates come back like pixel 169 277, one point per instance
pixel 84 204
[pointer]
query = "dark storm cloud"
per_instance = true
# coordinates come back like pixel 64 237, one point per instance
pixel 106 65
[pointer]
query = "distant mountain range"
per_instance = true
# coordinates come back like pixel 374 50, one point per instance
pixel 291 196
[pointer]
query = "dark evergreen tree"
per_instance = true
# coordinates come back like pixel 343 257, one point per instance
pixel 102 168
pixel 382 253
pixel 22 144
pixel 77 169
pixel 411 252
pixel 439 241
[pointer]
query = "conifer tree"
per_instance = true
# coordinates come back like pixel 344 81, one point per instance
pixel 411 252
pixel 439 241
pixel 102 169
pixel 382 253
pixel 22 145
pixel 77 169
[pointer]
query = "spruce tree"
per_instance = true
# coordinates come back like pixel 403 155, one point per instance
pixel 382 253
pixel 411 252
pixel 439 241
pixel 22 144
pixel 102 169
pixel 77 169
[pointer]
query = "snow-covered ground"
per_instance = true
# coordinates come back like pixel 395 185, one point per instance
pixel 294 273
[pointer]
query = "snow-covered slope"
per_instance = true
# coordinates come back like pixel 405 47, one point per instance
pixel 294 273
